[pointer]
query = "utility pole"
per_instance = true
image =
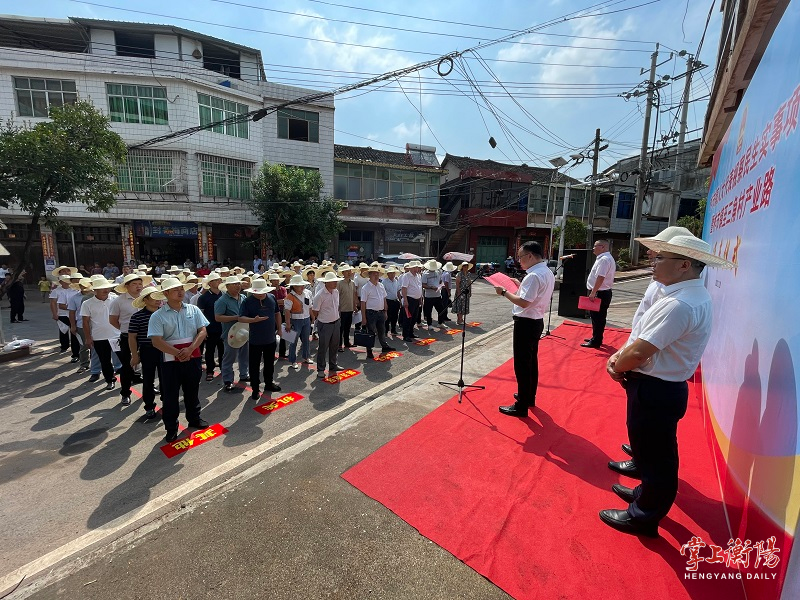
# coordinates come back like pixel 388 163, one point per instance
pixel 676 201
pixel 640 182
pixel 563 224
pixel 592 200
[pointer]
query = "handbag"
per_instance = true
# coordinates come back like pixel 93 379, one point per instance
pixel 364 338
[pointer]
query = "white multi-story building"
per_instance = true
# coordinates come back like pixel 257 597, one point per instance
pixel 181 198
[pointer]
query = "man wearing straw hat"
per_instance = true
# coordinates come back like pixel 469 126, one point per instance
pixel 261 312
pixel 391 283
pixel 432 291
pixel 76 320
pixel 662 352
pixel 119 315
pixel 226 311
pixel 141 347
pixel 99 335
pixel 348 302
pixel 59 298
pixel 325 310
pixel 411 290
pixel 178 329
pixel 374 309
pixel 213 344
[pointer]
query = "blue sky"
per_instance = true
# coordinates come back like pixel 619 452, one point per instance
pixel 540 96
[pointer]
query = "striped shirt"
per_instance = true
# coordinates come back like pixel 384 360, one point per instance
pixel 139 323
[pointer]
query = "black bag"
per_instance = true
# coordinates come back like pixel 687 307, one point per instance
pixel 365 338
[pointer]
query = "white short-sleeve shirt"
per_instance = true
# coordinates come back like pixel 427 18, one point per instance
pixel 536 288
pixel 97 311
pixel 373 295
pixel 603 266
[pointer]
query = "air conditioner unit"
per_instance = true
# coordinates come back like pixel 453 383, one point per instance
pixel 431 211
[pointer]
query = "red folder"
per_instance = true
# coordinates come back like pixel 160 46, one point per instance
pixel 586 303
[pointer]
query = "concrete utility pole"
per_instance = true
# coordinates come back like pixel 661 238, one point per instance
pixel 592 200
pixel 640 182
pixel 563 225
pixel 676 201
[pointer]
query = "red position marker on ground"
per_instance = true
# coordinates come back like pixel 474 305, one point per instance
pixel 425 342
pixel 341 376
pixel 274 405
pixel 388 356
pixel 180 446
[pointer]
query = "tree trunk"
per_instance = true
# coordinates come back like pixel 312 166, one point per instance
pixel 26 252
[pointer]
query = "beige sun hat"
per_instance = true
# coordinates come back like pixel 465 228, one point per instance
pixel 123 287
pixel 174 269
pixel 449 267
pixel 67 278
pixel 666 234
pixel 231 280
pixel 469 266
pixel 144 268
pixel 101 283
pixel 54 272
pixel 211 277
pixel 298 280
pixel 168 284
pixel 238 335
pixel 375 268
pixel 273 276
pixel 392 269
pixel 260 286
pixel 330 276
pixel 138 302
pixel 433 265
pixel 690 247
pixel 413 263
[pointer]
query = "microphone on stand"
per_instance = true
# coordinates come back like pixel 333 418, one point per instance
pixel 566 256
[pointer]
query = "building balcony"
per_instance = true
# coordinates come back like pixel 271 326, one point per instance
pixel 389 214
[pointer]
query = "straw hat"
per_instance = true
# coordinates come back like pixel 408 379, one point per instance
pixel 667 234
pixel 469 266
pixel 433 265
pixel 274 276
pixel 123 287
pixel 392 269
pixel 101 283
pixel 232 280
pixel 168 284
pixel 375 269
pixel 174 269
pixel 298 280
pixel 211 277
pixel 55 271
pixel 449 267
pixel 238 270
pixel 66 278
pixel 138 302
pixel 260 286
pixel 413 263
pixel 238 335
pixel 143 268
pixel 691 247
pixel 330 276
pixel 345 267
pixel 287 273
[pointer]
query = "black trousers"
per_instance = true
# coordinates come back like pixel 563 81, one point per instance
pixel 177 376
pixel 413 310
pixel 214 345
pixel 17 309
pixel 599 316
pixel 347 321
pixel 150 358
pixel 430 304
pixel 103 349
pixel 654 408
pixel 69 339
pixel 259 353
pixel 394 313
pixel 526 358
pixel 127 372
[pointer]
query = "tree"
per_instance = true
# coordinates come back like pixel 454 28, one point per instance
pixel 294 218
pixel 71 158
pixel 694 223
pixel 575 233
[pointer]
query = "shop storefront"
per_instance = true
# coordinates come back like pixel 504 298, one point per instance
pixel 171 241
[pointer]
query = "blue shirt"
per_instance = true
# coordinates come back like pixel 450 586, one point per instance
pixel 174 325
pixel 263 332
pixel 229 306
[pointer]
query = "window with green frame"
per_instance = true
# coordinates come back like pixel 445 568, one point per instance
pixel 145 171
pixel 137 104
pixel 214 110
pixel 301 125
pixel 225 177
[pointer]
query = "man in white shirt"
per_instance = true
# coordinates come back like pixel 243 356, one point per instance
pixel 98 332
pixel 530 302
pixel 432 292
pixel 599 283
pixel 374 309
pixel 391 284
pixel 59 298
pixel 662 352
pixel 411 290
pixel 119 315
pixel 325 310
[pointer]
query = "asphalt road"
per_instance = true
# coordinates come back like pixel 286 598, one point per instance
pixel 263 503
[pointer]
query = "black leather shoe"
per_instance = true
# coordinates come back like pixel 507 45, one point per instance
pixel 199 424
pixel 590 345
pixel 171 436
pixel 625 467
pixel 516 398
pixel 623 492
pixel 622 521
pixel 514 410
pixel 272 387
pixel 386 349
pixel 626 448
pixel 408 339
pixel 93 378
pixel 370 355
pixel 587 339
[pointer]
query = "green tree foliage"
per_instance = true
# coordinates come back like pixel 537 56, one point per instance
pixel 71 158
pixel 294 218
pixel 576 232
pixel 694 223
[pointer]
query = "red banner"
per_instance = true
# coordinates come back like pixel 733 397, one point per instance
pixel 425 342
pixel 274 405
pixel 388 356
pixel 180 446
pixel 341 376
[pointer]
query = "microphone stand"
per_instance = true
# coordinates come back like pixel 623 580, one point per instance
pixel 550 310
pixel 460 385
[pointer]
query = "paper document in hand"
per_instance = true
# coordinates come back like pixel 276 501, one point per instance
pixel 504 281
pixel 290 335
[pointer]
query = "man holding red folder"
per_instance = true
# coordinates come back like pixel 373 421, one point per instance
pixel 599 283
pixel 178 329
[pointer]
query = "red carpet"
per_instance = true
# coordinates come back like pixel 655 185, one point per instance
pixel 517 499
